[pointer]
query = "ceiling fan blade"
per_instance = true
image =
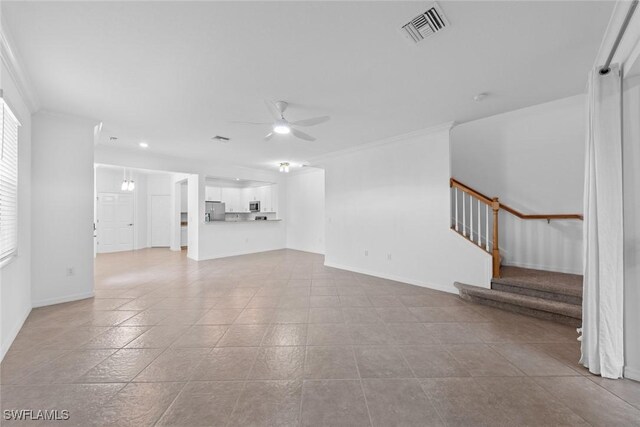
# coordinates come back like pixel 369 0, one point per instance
pixel 249 123
pixel 302 135
pixel 268 136
pixel 273 110
pixel 311 122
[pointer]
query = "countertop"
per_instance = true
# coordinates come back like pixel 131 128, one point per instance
pixel 243 221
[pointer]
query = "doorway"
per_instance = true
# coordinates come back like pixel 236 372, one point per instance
pixel 114 224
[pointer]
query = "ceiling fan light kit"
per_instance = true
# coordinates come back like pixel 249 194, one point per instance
pixel 282 126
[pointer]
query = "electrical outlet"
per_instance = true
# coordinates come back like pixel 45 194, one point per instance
pixel 70 271
pixel 366 252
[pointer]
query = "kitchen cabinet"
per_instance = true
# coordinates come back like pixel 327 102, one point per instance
pixel 249 194
pixel 213 193
pixel 273 191
pixel 264 195
pixel 232 198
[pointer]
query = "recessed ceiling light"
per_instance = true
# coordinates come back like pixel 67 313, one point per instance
pixel 237 179
pixel 479 97
pixel 143 145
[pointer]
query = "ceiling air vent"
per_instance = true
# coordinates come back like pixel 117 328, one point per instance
pixel 424 25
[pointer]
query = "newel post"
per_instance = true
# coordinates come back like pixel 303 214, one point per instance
pixel 495 205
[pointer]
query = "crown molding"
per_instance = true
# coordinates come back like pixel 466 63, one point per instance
pixel 443 127
pixel 11 60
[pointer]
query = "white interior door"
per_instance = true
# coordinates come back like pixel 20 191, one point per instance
pixel 115 222
pixel 160 221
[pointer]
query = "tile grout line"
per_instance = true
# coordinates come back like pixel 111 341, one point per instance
pixel 415 377
pixel 364 395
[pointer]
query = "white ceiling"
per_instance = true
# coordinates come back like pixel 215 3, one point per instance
pixel 174 74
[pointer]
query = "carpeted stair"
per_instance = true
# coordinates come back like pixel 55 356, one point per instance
pixel 544 294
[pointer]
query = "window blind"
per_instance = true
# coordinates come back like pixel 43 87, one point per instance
pixel 8 183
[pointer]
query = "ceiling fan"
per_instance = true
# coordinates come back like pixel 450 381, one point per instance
pixel 282 126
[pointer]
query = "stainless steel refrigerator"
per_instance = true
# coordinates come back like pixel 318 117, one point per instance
pixel 214 211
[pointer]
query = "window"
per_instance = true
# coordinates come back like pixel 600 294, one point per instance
pixel 8 183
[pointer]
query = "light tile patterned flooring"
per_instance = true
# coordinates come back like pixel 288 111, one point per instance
pixel 278 339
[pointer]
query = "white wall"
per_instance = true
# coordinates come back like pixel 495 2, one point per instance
pixel 631 182
pixel 305 211
pixel 533 160
pixel 62 190
pixel 15 277
pixel 158 184
pixel 393 198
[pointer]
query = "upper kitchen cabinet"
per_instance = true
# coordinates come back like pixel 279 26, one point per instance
pixel 213 193
pixel 264 194
pixel 238 193
pixel 232 198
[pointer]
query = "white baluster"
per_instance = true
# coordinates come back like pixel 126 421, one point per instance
pixel 456 192
pixel 471 217
pixel 486 236
pixel 479 225
pixel 464 215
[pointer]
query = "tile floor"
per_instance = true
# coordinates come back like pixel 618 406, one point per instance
pixel 278 339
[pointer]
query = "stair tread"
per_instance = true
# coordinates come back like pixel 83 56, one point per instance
pixel 547 281
pixel 565 309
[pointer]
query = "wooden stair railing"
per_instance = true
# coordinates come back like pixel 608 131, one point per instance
pixel 490 203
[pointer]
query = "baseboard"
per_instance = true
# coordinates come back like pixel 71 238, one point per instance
pixel 449 289
pixel 6 344
pixel 632 373
pixel 304 250
pixel 60 300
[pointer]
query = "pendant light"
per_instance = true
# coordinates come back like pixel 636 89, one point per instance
pixel 125 184
pixel 284 167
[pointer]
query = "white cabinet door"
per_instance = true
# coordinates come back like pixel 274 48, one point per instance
pixel 213 193
pixel 274 198
pixel 266 205
pixel 244 199
pixel 260 197
pixel 253 194
pixel 231 197
pixel 263 194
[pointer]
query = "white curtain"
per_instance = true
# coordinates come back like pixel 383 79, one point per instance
pixel 602 305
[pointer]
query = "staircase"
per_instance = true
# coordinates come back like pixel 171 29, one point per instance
pixel 544 294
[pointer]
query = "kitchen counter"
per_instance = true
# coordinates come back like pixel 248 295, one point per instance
pixel 243 221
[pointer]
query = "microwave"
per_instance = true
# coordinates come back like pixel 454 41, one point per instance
pixel 254 206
